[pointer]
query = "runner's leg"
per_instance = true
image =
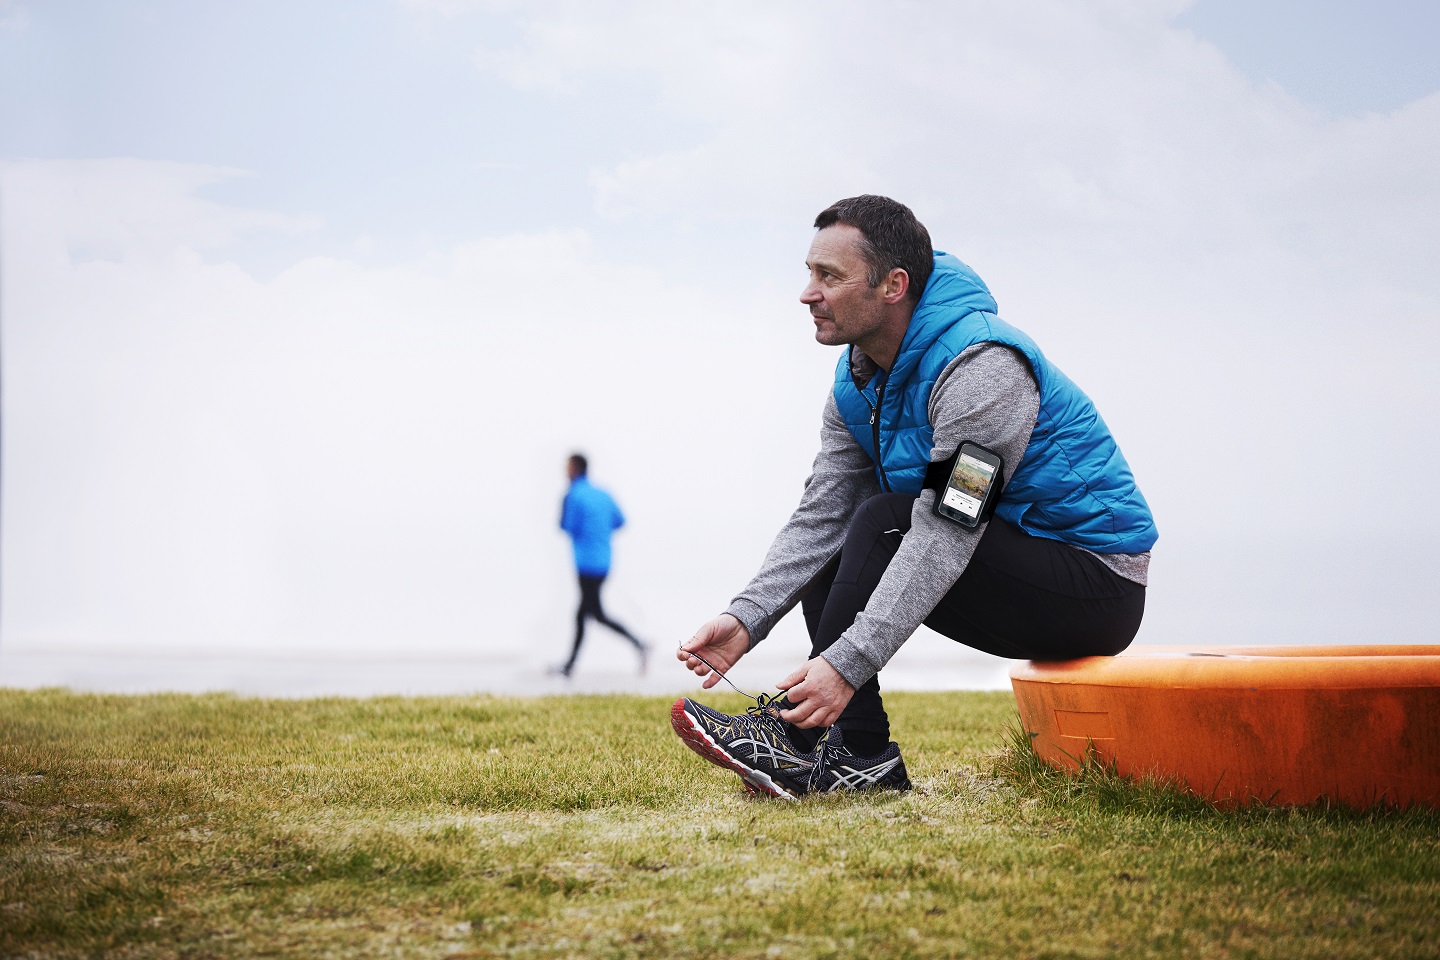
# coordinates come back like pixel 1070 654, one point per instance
pixel 589 607
pixel 600 617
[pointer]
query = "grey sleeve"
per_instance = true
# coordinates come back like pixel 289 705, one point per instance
pixel 987 395
pixel 841 478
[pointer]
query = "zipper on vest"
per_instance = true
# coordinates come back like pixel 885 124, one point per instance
pixel 875 432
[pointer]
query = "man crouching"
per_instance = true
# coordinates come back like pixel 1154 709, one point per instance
pixel 1058 572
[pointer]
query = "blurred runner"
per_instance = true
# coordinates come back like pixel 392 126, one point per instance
pixel 590 515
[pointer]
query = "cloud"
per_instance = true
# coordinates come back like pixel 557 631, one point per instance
pixel 454 8
pixel 14 17
pixel 1077 124
pixel 125 209
pixel 701 51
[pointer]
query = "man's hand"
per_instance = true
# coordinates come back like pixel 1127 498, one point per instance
pixel 818 692
pixel 722 641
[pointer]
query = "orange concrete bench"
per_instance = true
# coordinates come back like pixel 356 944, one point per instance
pixel 1358 725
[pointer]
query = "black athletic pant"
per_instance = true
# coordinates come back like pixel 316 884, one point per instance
pixel 590 607
pixel 1020 596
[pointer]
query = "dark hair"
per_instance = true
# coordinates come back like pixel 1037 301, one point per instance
pixel 582 466
pixel 891 237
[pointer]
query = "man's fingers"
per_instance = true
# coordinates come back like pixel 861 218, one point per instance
pixel 794 679
pixel 811 712
pixel 798 713
pixel 813 701
pixel 712 650
pixel 798 693
pixel 702 639
pixel 807 714
pixel 709 634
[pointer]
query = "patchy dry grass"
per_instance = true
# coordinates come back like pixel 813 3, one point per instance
pixel 178 826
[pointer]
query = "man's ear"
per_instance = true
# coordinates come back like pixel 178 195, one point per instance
pixel 895 285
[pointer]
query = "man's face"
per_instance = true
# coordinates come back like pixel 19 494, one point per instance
pixel 842 303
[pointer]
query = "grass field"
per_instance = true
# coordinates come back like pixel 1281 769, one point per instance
pixel 212 826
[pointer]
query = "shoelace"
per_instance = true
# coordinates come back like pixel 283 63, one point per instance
pixel 768 706
pixel 823 750
pixel 765 704
pixel 760 701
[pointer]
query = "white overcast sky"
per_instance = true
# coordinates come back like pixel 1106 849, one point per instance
pixel 305 303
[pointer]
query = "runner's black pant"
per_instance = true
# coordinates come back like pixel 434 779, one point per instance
pixel 590 607
pixel 1020 596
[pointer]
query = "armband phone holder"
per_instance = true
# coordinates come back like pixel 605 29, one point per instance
pixel 967 485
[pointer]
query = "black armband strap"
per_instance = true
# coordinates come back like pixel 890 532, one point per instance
pixel 936 473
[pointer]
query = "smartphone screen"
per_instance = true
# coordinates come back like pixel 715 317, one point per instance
pixel 969 482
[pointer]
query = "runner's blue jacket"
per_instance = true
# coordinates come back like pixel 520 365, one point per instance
pixel 590 515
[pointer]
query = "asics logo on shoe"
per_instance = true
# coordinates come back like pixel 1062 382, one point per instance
pixel 836 768
pixel 849 778
pixel 769 752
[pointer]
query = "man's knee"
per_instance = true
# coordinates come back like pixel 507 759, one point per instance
pixel 883 513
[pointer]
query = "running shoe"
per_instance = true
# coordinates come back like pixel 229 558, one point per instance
pixel 755 744
pixel 835 768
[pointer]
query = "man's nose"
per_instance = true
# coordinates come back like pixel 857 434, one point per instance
pixel 811 293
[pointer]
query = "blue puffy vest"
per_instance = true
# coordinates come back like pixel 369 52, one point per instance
pixel 1072 484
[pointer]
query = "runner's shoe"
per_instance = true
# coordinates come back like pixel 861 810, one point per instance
pixel 755 744
pixel 836 768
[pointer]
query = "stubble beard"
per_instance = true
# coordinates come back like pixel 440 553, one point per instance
pixel 829 336
pixel 827 333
